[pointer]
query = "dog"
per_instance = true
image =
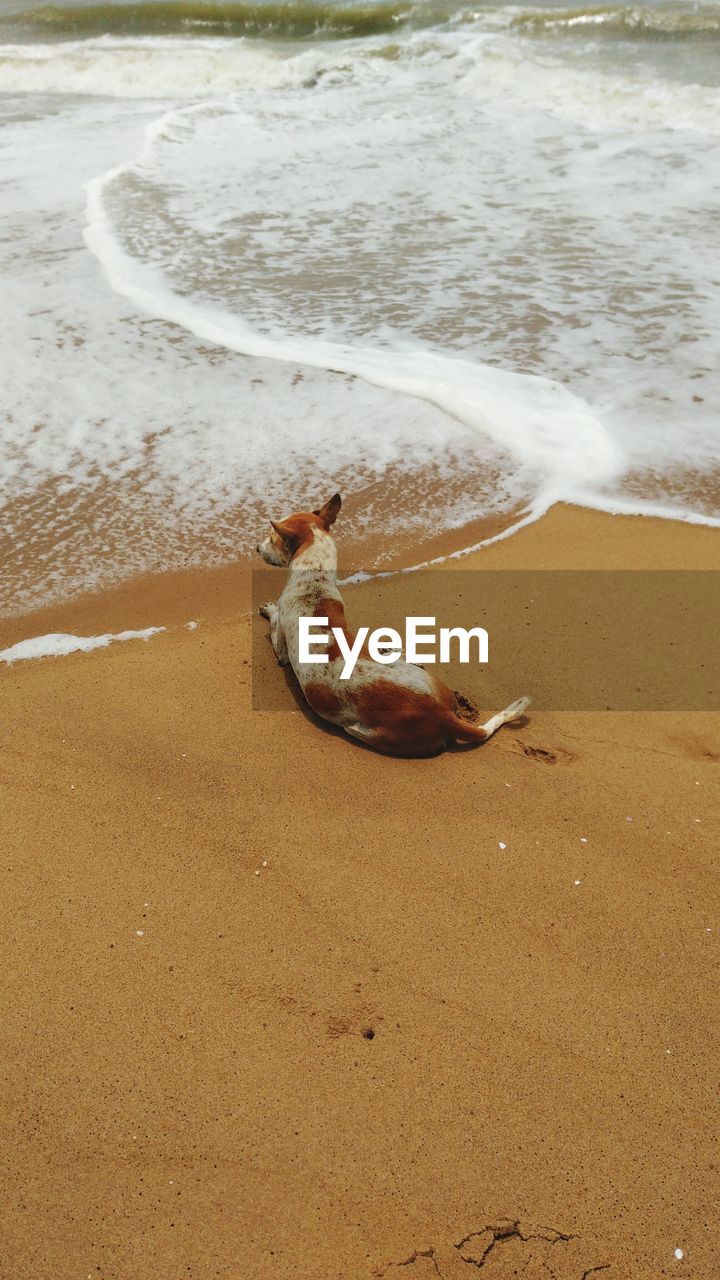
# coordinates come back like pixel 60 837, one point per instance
pixel 400 710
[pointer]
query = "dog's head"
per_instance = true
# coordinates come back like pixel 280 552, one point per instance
pixel 297 531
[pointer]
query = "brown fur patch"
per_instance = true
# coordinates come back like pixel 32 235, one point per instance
pixel 402 711
pixel 410 723
pixel 322 700
pixel 297 531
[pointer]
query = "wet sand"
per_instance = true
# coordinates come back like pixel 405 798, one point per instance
pixel 399 1048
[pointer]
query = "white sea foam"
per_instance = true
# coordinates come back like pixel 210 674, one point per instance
pixel 502 63
pixel 540 421
pixel 566 443
pixel 146 68
pixel 152 68
pixel 599 100
pixel 57 644
pixel 507 252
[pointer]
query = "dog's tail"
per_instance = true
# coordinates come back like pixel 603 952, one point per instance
pixel 467 731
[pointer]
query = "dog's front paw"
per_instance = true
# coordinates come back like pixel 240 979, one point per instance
pixel 267 611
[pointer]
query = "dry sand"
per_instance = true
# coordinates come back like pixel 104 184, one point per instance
pixel 401 1049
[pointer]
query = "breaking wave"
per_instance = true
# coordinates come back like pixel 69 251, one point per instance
pixel 290 20
pixel 624 22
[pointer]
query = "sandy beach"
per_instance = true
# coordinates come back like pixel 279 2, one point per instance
pixel 279 1007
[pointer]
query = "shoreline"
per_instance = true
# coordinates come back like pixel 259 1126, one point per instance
pixel 565 537
pixel 284 1007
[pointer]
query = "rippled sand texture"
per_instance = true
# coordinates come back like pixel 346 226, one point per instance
pixel 284 1008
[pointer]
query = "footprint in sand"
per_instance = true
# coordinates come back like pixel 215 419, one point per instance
pixel 503 1249
pixel 697 748
pixel 544 755
pixel 360 1023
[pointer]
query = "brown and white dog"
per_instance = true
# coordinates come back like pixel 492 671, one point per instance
pixel 402 709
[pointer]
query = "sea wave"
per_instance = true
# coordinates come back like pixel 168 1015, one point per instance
pixel 597 100
pixel 525 304
pixel 151 68
pixel 671 22
pixel 503 70
pixel 287 19
pixel 327 19
pixel 546 426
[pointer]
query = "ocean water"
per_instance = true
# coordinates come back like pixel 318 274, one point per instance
pixel 459 260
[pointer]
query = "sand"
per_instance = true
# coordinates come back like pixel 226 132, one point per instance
pixel 279 1007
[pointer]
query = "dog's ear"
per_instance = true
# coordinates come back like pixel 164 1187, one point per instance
pixel 290 539
pixel 329 513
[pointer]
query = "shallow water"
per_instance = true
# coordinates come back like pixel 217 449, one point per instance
pixel 497 226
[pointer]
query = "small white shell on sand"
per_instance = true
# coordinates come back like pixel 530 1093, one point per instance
pixel 140 933
pixel 679 1254
pixel 502 845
